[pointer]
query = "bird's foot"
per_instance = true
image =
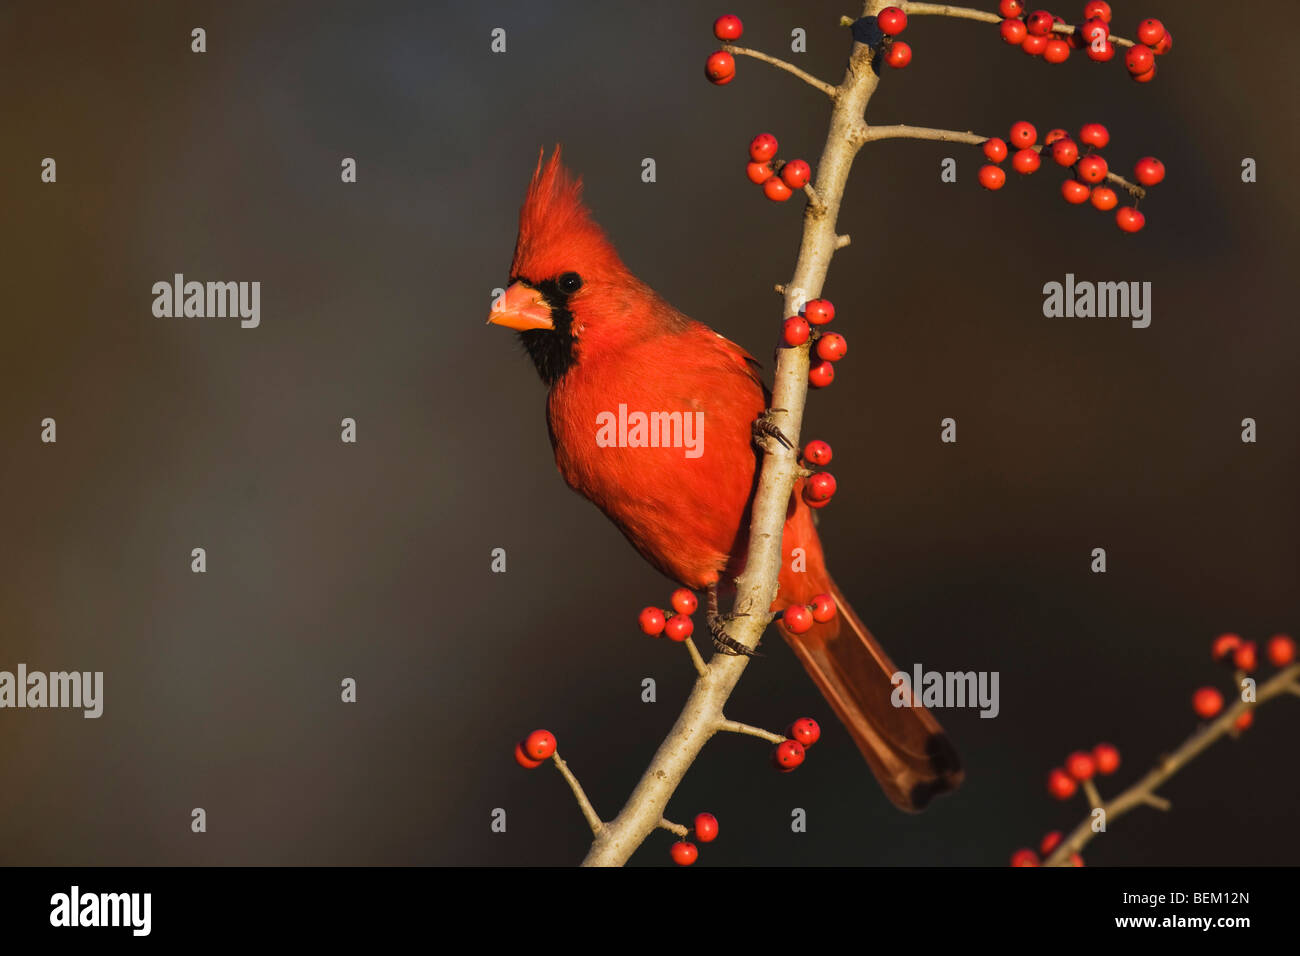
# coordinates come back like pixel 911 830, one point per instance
pixel 724 643
pixel 765 428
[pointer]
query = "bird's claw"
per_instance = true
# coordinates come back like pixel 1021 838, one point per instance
pixel 765 428
pixel 721 640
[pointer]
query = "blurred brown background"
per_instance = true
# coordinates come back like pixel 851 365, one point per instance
pixel 372 560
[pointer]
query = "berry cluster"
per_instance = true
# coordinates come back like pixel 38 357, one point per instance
pixel 800 735
pixel 829 346
pixel 1080 766
pixel 676 627
pixel 778 179
pixel 1044 34
pixel 1027 857
pixel 1243 658
pixel 817 491
pixel 1090 168
pixel 800 618
pixel 683 852
pixel 720 67
pixel 893 21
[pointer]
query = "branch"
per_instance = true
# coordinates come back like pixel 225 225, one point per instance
pixel 1143 793
pixel 872 133
pixel 808 78
pixel 756 587
pixel 966 13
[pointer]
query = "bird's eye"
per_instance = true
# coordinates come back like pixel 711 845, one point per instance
pixel 570 283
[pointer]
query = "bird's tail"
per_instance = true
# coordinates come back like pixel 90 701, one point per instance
pixel 905 747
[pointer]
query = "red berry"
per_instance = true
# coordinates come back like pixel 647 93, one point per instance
pixel 821 375
pixel 1065 152
pixel 798 619
pixel 1129 219
pixel 684 853
pixel 1246 657
pixel 992 177
pixel 1097 8
pixel 720 68
pixel 795 330
pixel 1075 192
pixel 1011 8
pixel 1050 842
pixel 1055 135
pixel 1146 77
pixel 823 609
pixel 1149 171
pixel 776 190
pixel 1103 51
pixel 832 346
pixel 1107 757
pixel 995 149
pixel 1013 31
pixel 1246 718
pixel 1092 169
pixel 1080 765
pixel 652 621
pixel 1165 45
pixel 892 21
pixel 728 27
pixel 1104 198
pixel 759 173
pixel 1057 51
pixel 899 55
pixel 1026 161
pixel 1094 134
pixel 679 627
pixel 1034 45
pixel 1024 857
pixel 1151 31
pixel 819 487
pixel 684 601
pixel 1139 59
pixel 1039 23
pixel 525 761
pixel 706 827
pixel 1060 784
pixel 819 311
pixel 796 173
pixel 1076 860
pixel 1207 702
pixel 805 731
pixel 762 147
pixel 787 755
pixel 817 452
pixel 1224 646
pixel 1022 134
pixel 1281 650
pixel 540 744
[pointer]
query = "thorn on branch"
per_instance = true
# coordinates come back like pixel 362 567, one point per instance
pixel 842 241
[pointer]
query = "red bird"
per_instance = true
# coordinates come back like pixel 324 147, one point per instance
pixel 602 339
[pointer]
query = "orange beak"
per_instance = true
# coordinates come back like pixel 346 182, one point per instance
pixel 521 308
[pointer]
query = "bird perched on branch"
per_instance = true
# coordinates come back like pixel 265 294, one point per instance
pixel 604 342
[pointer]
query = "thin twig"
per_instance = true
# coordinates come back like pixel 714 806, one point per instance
pixel 870 134
pixel 1143 793
pixel 681 831
pixel 735 727
pixel 808 78
pixel 696 659
pixel 588 811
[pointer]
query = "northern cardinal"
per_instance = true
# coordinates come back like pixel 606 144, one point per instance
pixel 600 339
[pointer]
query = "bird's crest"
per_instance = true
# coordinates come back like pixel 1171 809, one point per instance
pixel 556 231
